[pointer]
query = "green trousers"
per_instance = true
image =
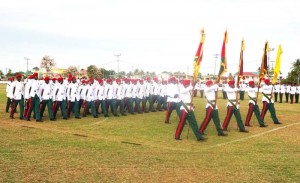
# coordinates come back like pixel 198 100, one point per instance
pixel 214 115
pixel 49 105
pixel 269 106
pixel 231 110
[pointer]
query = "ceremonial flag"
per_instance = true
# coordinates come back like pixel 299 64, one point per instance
pixel 277 64
pixel 198 56
pixel 264 62
pixel 223 66
pixel 241 65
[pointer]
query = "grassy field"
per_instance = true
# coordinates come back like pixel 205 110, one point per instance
pixel 141 148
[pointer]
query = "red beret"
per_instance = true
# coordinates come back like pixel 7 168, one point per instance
pixel 18 75
pixel 231 82
pixel 53 79
pixel 108 80
pixel 73 78
pixel 267 81
pixel 59 79
pixel 69 79
pixel 118 80
pixel 34 74
pixel 209 82
pixel 91 79
pixel 46 78
pixel 100 80
pixel 251 83
pixel 186 82
pixel 30 77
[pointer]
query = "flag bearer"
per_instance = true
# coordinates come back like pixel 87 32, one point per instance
pixel 253 107
pixel 187 112
pixel 268 103
pixel 233 107
pixel 211 108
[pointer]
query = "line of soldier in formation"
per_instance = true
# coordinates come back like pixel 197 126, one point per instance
pixel 133 95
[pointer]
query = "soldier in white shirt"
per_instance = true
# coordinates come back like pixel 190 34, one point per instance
pixel 187 112
pixel 173 101
pixel 276 91
pixel 148 97
pixel 119 87
pixel 282 91
pixel 26 95
pixel 34 102
pixel 90 99
pixel 128 102
pixel 211 109
pixel 134 92
pixel 17 89
pixel 60 99
pixel 297 93
pixel 233 107
pixel 46 98
pixel 110 97
pixel 253 107
pixel 8 88
pixel 73 98
pixel 292 92
pixel 287 92
pixel 268 103
pixel 140 95
pixel 101 98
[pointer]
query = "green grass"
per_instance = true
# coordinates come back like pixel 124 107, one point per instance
pixel 141 148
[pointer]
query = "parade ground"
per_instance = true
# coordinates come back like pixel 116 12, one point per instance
pixel 142 148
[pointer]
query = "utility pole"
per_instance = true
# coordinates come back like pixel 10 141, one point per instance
pixel 27 64
pixel 216 58
pixel 118 55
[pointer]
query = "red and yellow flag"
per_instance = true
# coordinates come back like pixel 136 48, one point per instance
pixel 264 62
pixel 223 66
pixel 277 64
pixel 241 65
pixel 198 56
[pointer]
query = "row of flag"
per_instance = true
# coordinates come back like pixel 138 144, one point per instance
pixel 223 65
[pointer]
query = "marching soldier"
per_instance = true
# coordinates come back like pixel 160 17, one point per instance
pixel 292 92
pixel 90 99
pixel 282 91
pixel 233 107
pixel 73 98
pixel 187 112
pixel 287 92
pixel 110 98
pixel 268 103
pixel 34 102
pixel 8 88
pixel 60 99
pixel 253 107
pixel 46 98
pixel 276 91
pixel 211 109
pixel 173 99
pixel 101 99
pixel 17 96
pixel 120 96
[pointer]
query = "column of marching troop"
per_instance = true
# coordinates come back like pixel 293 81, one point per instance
pixel 130 96
pixel 84 97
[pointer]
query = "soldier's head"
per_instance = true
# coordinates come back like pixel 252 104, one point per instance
pixel 186 83
pixel 100 81
pixel 267 82
pixel 118 81
pixel 69 80
pixel 18 77
pixel 209 83
pixel 35 76
pixel 46 79
pixel 91 81
pixel 251 84
pixel 73 79
pixel 54 80
pixel 60 80
pixel 109 81
pixel 231 83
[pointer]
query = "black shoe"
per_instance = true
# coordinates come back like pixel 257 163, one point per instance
pixel 96 116
pixel 222 134
pixel 116 115
pixel 28 119
pixel 123 114
pixel 153 110
pixel 201 139
pixel 65 118
pixel 167 122
pixel 53 119
pixel 39 120
pixel 244 131
pixel 146 111
pixel 83 115
pixel 22 118
pixel 78 117
pixel 263 125
pixel 132 113
pixel 106 115
pixel 277 123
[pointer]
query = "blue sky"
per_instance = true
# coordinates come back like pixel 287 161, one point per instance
pixel 154 35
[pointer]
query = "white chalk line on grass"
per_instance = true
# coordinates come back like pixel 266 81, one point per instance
pixel 153 145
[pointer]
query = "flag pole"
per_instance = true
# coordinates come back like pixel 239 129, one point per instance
pixel 263 67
